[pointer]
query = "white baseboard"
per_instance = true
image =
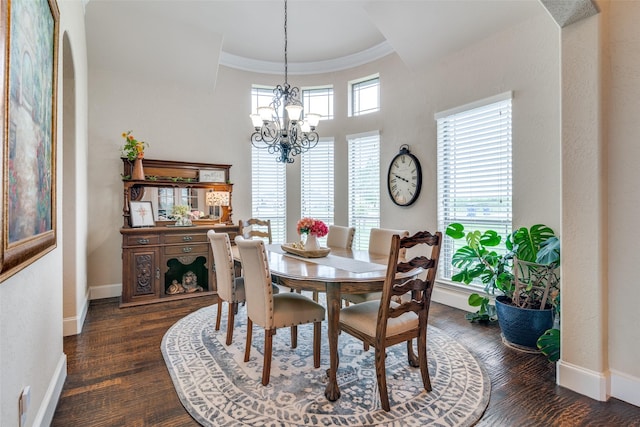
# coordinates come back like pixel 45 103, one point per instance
pixel 47 409
pixel 73 325
pixel 625 387
pixel 584 381
pixel 105 291
pixel 453 296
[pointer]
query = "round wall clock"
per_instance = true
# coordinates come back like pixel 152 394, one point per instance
pixel 404 179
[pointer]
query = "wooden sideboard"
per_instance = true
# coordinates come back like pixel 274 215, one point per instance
pixel 167 262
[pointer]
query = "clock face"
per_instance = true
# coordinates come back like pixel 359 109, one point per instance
pixel 404 179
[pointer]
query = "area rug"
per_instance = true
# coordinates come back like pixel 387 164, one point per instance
pixel 218 388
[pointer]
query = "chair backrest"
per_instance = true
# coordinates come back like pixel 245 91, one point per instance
pixel 420 289
pixel 254 227
pixel 223 264
pixel 257 281
pixel 340 236
pixel 380 240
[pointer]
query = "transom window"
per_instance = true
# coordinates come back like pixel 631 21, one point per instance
pixel 474 171
pixel 364 96
pixel 318 101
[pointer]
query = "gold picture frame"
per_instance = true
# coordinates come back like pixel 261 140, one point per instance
pixel 29 87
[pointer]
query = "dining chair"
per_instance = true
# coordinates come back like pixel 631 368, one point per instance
pixel 229 287
pixel 379 244
pixel 385 322
pixel 254 227
pixel 287 309
pixel 340 236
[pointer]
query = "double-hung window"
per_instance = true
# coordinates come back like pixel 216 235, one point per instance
pixel 317 182
pixel 268 178
pixel 364 186
pixel 474 171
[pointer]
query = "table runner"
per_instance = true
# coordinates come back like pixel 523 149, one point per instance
pixel 347 264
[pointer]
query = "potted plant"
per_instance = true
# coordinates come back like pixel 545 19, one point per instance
pixel 523 279
pixel 134 151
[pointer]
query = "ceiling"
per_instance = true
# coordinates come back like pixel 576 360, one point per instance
pixel 188 38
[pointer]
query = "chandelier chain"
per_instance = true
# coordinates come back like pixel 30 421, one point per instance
pixel 286 64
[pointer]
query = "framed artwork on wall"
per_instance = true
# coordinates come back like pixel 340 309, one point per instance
pixel 28 107
pixel 141 214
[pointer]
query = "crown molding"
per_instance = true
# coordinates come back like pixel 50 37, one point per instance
pixel 299 68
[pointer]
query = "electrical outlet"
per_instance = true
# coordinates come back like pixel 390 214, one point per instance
pixel 23 404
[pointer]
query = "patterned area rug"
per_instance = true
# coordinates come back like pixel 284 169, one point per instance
pixel 218 389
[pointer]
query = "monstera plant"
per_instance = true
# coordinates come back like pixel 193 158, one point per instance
pixel 523 274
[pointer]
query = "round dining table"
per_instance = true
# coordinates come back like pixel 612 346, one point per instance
pixel 342 271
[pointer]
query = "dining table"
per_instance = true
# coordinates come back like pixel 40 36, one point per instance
pixel 340 272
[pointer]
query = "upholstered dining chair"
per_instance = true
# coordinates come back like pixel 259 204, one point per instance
pixel 230 288
pixel 287 309
pixel 379 244
pixel 254 227
pixel 385 322
pixel 340 236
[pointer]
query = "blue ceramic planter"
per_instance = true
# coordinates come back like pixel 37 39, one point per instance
pixel 522 326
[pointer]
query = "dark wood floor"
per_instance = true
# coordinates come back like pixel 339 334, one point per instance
pixel 117 376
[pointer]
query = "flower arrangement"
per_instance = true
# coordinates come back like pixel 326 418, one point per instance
pixel 180 211
pixel 312 226
pixel 132 147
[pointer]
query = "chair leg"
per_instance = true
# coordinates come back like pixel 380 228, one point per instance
pixel 381 374
pixel 315 296
pixel 247 346
pixel 294 336
pixel 219 314
pixel 316 344
pixel 233 307
pixel 268 348
pixel 365 346
pixel 411 356
pixel 422 357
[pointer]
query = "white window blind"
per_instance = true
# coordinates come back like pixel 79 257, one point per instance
pixel 365 96
pixel 364 186
pixel 474 171
pixel 268 178
pixel 318 101
pixel 317 182
pixel 268 192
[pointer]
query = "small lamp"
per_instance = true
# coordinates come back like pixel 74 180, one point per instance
pixel 217 199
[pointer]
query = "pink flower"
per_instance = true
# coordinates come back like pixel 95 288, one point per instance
pixel 312 226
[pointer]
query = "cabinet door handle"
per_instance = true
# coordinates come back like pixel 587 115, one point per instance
pixel 157 273
pixel 143 241
pixel 187 238
pixel 187 249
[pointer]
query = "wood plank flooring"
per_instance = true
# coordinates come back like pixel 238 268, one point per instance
pixel 117 376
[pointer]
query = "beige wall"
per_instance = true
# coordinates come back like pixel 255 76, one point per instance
pixel 31 302
pixel 623 234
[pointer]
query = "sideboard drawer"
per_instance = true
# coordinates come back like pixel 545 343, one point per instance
pixel 185 238
pixel 186 249
pixel 143 240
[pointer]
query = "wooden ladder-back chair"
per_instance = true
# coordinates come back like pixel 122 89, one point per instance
pixel 379 244
pixel 385 322
pixel 287 309
pixel 254 227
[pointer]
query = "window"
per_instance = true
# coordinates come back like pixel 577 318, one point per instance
pixel 364 186
pixel 317 184
pixel 268 178
pixel 474 170
pixel 269 192
pixel 364 96
pixel 318 101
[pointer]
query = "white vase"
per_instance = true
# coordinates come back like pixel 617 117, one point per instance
pixel 311 243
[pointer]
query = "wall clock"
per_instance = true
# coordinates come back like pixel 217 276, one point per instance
pixel 404 178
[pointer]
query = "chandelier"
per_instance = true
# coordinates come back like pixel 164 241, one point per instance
pixel 290 135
